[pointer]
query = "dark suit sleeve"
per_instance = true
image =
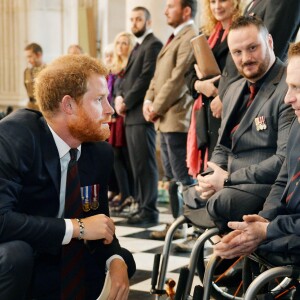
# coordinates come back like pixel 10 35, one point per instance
pixel 283 235
pixel 132 97
pixel 282 18
pixel 17 157
pixel 273 206
pixel 190 79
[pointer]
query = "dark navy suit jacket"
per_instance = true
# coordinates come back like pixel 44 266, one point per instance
pixel 283 233
pixel 30 184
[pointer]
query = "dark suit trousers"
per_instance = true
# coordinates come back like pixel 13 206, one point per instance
pixel 24 275
pixel 140 140
pixel 16 265
pixel 229 204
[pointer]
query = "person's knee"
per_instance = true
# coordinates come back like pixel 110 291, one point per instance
pixel 218 204
pixel 129 260
pixel 15 256
pixel 16 266
pixel 219 208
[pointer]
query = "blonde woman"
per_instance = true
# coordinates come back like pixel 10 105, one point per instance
pixel 123 45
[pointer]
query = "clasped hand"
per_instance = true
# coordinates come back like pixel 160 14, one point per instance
pixel 99 227
pixel 148 112
pixel 245 238
pixel 211 183
pixel 120 106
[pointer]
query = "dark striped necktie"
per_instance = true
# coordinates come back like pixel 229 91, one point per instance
pixel 294 182
pixel 72 274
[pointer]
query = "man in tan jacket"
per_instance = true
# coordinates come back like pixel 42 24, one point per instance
pixel 168 102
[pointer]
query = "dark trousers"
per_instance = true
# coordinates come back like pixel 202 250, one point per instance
pixel 141 146
pixel 16 266
pixel 123 172
pixel 229 204
pixel 25 275
pixel 173 155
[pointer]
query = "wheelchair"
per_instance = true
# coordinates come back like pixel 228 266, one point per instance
pixel 265 276
pixel 230 270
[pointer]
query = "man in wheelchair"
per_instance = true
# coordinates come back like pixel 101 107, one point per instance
pixel 253 134
pixel 276 229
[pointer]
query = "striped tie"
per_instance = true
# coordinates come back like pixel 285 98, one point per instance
pixel 72 275
pixel 294 182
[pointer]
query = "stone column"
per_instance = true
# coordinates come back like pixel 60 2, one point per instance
pixel 52 24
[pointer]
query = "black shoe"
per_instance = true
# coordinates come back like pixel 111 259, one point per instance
pixel 143 218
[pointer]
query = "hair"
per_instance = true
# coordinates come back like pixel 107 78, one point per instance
pixel 246 21
pixel 78 47
pixel 294 50
pixel 108 49
pixel 208 20
pixel 34 47
pixel 193 4
pixel 145 10
pixel 119 63
pixel 66 75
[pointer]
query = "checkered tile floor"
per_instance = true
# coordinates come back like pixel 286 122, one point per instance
pixel 136 240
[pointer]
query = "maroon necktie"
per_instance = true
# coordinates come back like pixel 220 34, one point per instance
pixel 72 274
pixel 253 91
pixel 294 181
pixel 171 37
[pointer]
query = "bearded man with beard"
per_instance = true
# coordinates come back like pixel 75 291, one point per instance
pixel 38 223
pixel 253 134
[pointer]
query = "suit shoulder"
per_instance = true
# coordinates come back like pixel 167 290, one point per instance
pixel 188 33
pixel 154 40
pixel 22 120
pixel 101 148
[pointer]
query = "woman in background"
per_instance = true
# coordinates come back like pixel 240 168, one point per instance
pixel 123 45
pixel 217 16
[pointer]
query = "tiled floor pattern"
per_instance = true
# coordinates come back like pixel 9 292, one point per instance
pixel 136 240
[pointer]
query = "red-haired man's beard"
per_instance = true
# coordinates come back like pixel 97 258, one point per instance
pixel 86 129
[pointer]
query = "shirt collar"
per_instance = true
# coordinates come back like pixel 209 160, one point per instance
pixel 181 26
pixel 62 147
pixel 141 38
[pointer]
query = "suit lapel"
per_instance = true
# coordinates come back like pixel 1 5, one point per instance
pixel 84 165
pixel 132 58
pixel 51 155
pixel 231 106
pixel 176 40
pixel 264 94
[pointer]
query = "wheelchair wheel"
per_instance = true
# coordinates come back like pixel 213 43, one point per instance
pixel 228 281
pixel 275 283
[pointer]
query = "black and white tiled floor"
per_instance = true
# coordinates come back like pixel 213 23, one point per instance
pixel 136 240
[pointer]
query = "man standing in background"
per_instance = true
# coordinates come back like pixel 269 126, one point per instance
pixel 168 102
pixel 140 134
pixel 34 56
